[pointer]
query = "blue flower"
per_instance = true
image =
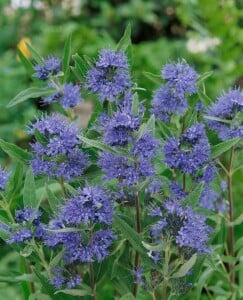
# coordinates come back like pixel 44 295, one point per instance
pixel 190 152
pixel 79 226
pixel 227 107
pixel 20 236
pixel 110 76
pixel 91 204
pixel 68 96
pixel 3 179
pixel 166 102
pixel 181 78
pixel 171 97
pixel 59 154
pixel 51 66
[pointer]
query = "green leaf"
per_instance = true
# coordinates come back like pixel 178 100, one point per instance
pixel 66 57
pixel 204 76
pixel 53 201
pixel 125 41
pixel 96 112
pixel 133 237
pixel 32 92
pixel 29 192
pixel 221 148
pixel 204 98
pixel 39 296
pixel 15 152
pixel 101 146
pixel 164 129
pixel 27 251
pixel 135 104
pixel 186 267
pixel 40 137
pixel 217 119
pixel 149 126
pixel 193 197
pixel 159 247
pixel 74 292
pixel 19 278
pixel 80 66
pixel 201 282
pixel 128 296
pixel 36 56
pixel 156 78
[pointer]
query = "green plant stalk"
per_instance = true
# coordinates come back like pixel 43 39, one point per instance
pixel 92 281
pixel 231 214
pixel 40 253
pixel 138 229
pixel 64 191
pixel 165 272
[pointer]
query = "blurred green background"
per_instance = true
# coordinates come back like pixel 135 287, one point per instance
pixel 208 34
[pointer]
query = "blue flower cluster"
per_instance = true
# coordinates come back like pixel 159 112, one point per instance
pixel 57 154
pixel 228 108
pixel 110 77
pixel 62 279
pixel 68 95
pixel 28 226
pixel 3 179
pixel 130 171
pixel 186 228
pixel 190 152
pixel 74 226
pixel 51 66
pixel 171 97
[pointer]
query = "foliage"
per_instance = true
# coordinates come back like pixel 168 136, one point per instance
pixel 133 199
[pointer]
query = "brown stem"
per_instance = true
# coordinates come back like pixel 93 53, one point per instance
pixel 231 214
pixel 138 229
pixel 92 280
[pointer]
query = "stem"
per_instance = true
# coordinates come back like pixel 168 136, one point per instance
pixel 41 255
pixel 64 191
pixel 92 280
pixel 138 229
pixel 231 214
pixel 184 181
pixel 32 286
pixel 165 272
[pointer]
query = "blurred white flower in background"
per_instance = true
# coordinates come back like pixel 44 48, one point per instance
pixel 202 45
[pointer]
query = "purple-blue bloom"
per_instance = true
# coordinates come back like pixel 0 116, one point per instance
pixel 166 102
pixel 118 129
pixel 190 152
pixel 68 96
pixel 181 78
pixel 74 226
pixel 91 205
pixel 110 76
pixel 171 97
pixel 138 275
pixel 187 228
pixel 26 215
pixel 51 66
pixel 20 236
pixel 3 179
pixel 59 154
pixel 227 107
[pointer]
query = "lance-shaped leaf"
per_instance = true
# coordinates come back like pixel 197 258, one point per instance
pixel 15 152
pixel 193 197
pixel 66 57
pixel 32 92
pixel 29 192
pixel 186 267
pixel 221 148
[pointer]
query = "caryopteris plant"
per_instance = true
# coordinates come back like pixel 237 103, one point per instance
pixel 135 204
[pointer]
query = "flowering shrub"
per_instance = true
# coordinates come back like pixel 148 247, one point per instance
pixel 135 199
